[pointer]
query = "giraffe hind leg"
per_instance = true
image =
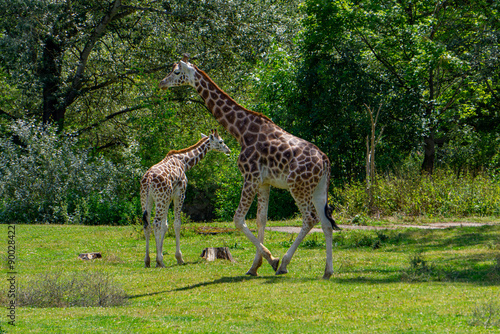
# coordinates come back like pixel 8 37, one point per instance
pixel 262 207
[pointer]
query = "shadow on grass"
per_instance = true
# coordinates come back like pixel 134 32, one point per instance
pixel 222 280
pixel 235 279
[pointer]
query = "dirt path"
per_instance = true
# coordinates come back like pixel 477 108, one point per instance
pixel 296 229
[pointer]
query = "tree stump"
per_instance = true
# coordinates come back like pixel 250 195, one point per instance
pixel 90 256
pixel 213 253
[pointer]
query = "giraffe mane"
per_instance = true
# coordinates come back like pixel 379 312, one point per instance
pixel 229 97
pixel 190 148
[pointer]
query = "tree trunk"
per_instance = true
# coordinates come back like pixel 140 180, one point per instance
pixel 50 76
pixel 429 154
pixel 212 253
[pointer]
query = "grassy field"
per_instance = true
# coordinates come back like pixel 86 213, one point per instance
pixel 392 281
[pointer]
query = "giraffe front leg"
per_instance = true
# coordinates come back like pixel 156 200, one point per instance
pixel 160 228
pixel 262 207
pixel 247 195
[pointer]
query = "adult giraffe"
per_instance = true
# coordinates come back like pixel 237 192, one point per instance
pixel 269 156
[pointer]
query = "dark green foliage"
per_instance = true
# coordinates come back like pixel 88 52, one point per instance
pixel 45 178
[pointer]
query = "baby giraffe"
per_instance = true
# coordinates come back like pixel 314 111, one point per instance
pixel 167 181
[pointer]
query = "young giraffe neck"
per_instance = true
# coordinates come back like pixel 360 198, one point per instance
pixel 236 119
pixel 192 155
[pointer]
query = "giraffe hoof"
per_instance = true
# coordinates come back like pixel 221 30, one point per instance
pixel 281 272
pixel 327 276
pixel 251 273
pixel 274 263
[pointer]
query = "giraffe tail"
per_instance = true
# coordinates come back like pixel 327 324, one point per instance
pixel 328 214
pixel 145 218
pixel 328 208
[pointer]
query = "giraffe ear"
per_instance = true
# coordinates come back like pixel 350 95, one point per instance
pixel 203 136
pixel 216 133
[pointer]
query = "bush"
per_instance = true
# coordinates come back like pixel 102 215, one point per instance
pixel 77 289
pixel 45 178
pixel 410 193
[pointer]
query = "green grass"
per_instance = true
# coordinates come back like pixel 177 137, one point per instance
pixel 372 290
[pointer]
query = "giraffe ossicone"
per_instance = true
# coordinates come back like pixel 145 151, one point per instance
pixel 166 182
pixel 269 156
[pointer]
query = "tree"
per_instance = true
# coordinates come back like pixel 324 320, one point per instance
pixel 428 51
pixel 83 63
pixel 431 64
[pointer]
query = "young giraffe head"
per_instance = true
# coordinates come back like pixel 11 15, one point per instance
pixel 217 143
pixel 182 74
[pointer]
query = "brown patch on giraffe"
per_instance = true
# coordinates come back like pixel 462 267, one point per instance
pixel 217 113
pixel 249 151
pixel 263 148
pixel 250 139
pixel 210 104
pixel 214 95
pixel 241 124
pixel 233 131
pixel 220 102
pixel 203 83
pixel 230 117
pixel 254 128
pixel 205 94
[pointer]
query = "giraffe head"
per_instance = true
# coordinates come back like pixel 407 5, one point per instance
pixel 216 142
pixel 182 74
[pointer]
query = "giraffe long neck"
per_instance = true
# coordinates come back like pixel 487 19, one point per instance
pixel 236 119
pixel 192 155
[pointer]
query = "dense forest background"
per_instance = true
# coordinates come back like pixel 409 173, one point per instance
pixel 82 118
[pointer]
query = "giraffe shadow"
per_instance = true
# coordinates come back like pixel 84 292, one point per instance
pixel 231 279
pixel 222 280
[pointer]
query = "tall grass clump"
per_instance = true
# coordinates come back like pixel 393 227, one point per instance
pixel 46 178
pixel 83 289
pixel 410 193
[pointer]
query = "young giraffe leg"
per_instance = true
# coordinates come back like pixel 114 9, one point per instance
pixel 147 259
pixel 178 201
pixel 247 195
pixel 262 206
pixel 147 205
pixel 160 228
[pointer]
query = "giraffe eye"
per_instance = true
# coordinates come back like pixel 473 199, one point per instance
pixel 177 72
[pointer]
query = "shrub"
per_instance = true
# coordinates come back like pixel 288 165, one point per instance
pixel 82 289
pixel 45 177
pixel 409 193
pixel 486 314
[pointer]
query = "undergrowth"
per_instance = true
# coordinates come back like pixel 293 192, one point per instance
pixel 83 289
pixel 410 194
